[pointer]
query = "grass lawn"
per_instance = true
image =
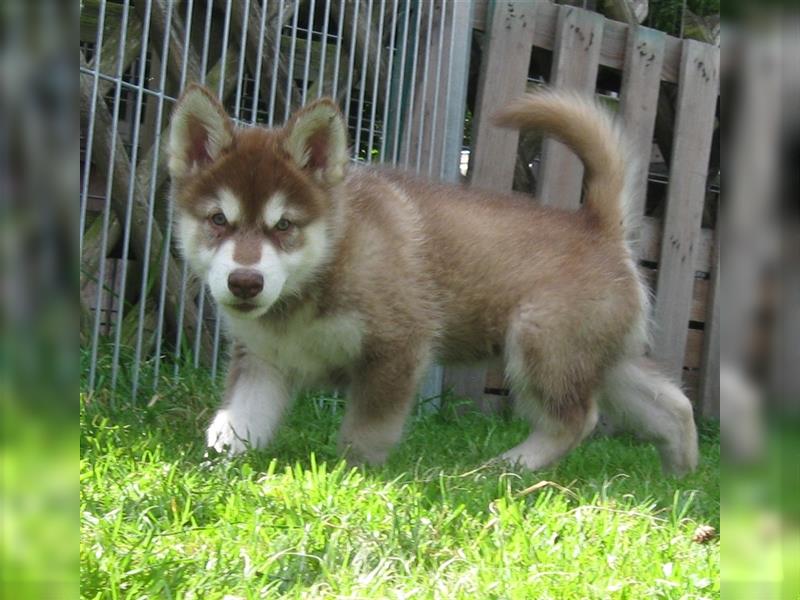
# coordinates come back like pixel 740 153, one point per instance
pixel 159 520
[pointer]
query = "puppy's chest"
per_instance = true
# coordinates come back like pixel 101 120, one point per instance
pixel 308 350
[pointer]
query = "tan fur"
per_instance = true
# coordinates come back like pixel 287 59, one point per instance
pixel 409 270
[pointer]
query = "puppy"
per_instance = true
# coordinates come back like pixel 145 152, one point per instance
pixel 328 273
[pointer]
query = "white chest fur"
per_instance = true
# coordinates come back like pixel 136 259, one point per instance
pixel 306 349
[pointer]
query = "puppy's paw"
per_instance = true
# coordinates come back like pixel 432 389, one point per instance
pixel 227 435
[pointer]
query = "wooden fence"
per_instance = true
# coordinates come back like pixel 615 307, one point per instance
pixel 678 254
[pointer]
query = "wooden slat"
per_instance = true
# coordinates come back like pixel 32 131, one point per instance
pixel 650 245
pixel 700 292
pixel 693 353
pixel 690 383
pixel 612 49
pixel 177 36
pixel 109 55
pixel 575 65
pixel 504 71
pixel 708 402
pixel 641 75
pixel 697 98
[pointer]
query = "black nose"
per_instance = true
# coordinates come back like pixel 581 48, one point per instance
pixel 245 283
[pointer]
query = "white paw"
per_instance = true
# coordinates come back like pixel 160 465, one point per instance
pixel 229 435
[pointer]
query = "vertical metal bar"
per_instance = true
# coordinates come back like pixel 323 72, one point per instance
pixel 457 81
pixel 308 50
pixel 184 265
pixel 215 346
pixel 162 79
pixel 363 83
pixel 226 28
pixel 290 76
pixel 187 39
pixel 162 296
pixel 410 110
pixel 379 46
pixel 399 94
pixel 242 54
pixel 424 97
pixel 437 79
pixel 259 62
pixel 201 309
pixel 389 75
pixel 450 63
pixel 206 38
pixel 221 96
pixel 350 65
pixel 335 86
pixel 87 157
pixel 201 299
pixel 275 60
pixel 325 23
pixel 134 155
pixel 101 275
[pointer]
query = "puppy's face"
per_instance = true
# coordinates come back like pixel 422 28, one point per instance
pixel 253 207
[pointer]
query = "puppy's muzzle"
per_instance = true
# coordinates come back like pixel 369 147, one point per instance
pixel 245 283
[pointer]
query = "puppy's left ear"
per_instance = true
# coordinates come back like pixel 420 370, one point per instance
pixel 199 132
pixel 316 140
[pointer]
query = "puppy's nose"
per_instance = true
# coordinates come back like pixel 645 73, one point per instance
pixel 245 283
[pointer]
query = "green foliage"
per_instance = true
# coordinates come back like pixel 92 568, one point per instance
pixel 666 14
pixel 160 519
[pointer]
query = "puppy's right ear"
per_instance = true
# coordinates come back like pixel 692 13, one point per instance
pixel 199 132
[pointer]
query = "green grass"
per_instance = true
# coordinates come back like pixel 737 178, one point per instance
pixel 160 520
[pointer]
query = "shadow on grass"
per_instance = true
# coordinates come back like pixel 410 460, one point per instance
pixel 171 420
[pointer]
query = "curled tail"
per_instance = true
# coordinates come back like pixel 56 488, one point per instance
pixel 591 133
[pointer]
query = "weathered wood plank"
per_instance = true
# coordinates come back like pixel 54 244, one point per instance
pixel 575 65
pixel 90 15
pixel 644 57
pixel 693 353
pixel 651 231
pixel 697 99
pixel 708 401
pixel 92 247
pixel 504 70
pixel 109 54
pixel 613 46
pixel 177 37
pixel 700 294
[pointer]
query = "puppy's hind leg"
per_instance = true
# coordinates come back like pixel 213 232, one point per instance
pixel 550 395
pixel 641 399
pixel 556 431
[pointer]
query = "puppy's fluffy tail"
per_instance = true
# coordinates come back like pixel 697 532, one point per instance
pixel 591 133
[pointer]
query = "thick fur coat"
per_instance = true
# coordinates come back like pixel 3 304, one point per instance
pixel 331 274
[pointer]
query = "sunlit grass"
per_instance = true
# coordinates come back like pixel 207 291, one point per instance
pixel 158 519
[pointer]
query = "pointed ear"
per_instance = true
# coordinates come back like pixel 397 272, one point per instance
pixel 316 140
pixel 199 132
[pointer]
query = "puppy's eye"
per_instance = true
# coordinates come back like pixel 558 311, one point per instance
pixel 283 224
pixel 218 219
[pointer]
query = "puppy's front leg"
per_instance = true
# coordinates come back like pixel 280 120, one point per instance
pixel 381 396
pixel 256 397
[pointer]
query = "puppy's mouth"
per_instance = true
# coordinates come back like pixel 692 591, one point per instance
pixel 243 307
pixel 246 309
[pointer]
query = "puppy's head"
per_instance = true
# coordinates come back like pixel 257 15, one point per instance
pixel 254 207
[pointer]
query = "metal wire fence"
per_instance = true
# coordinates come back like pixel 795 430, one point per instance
pixel 397 68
